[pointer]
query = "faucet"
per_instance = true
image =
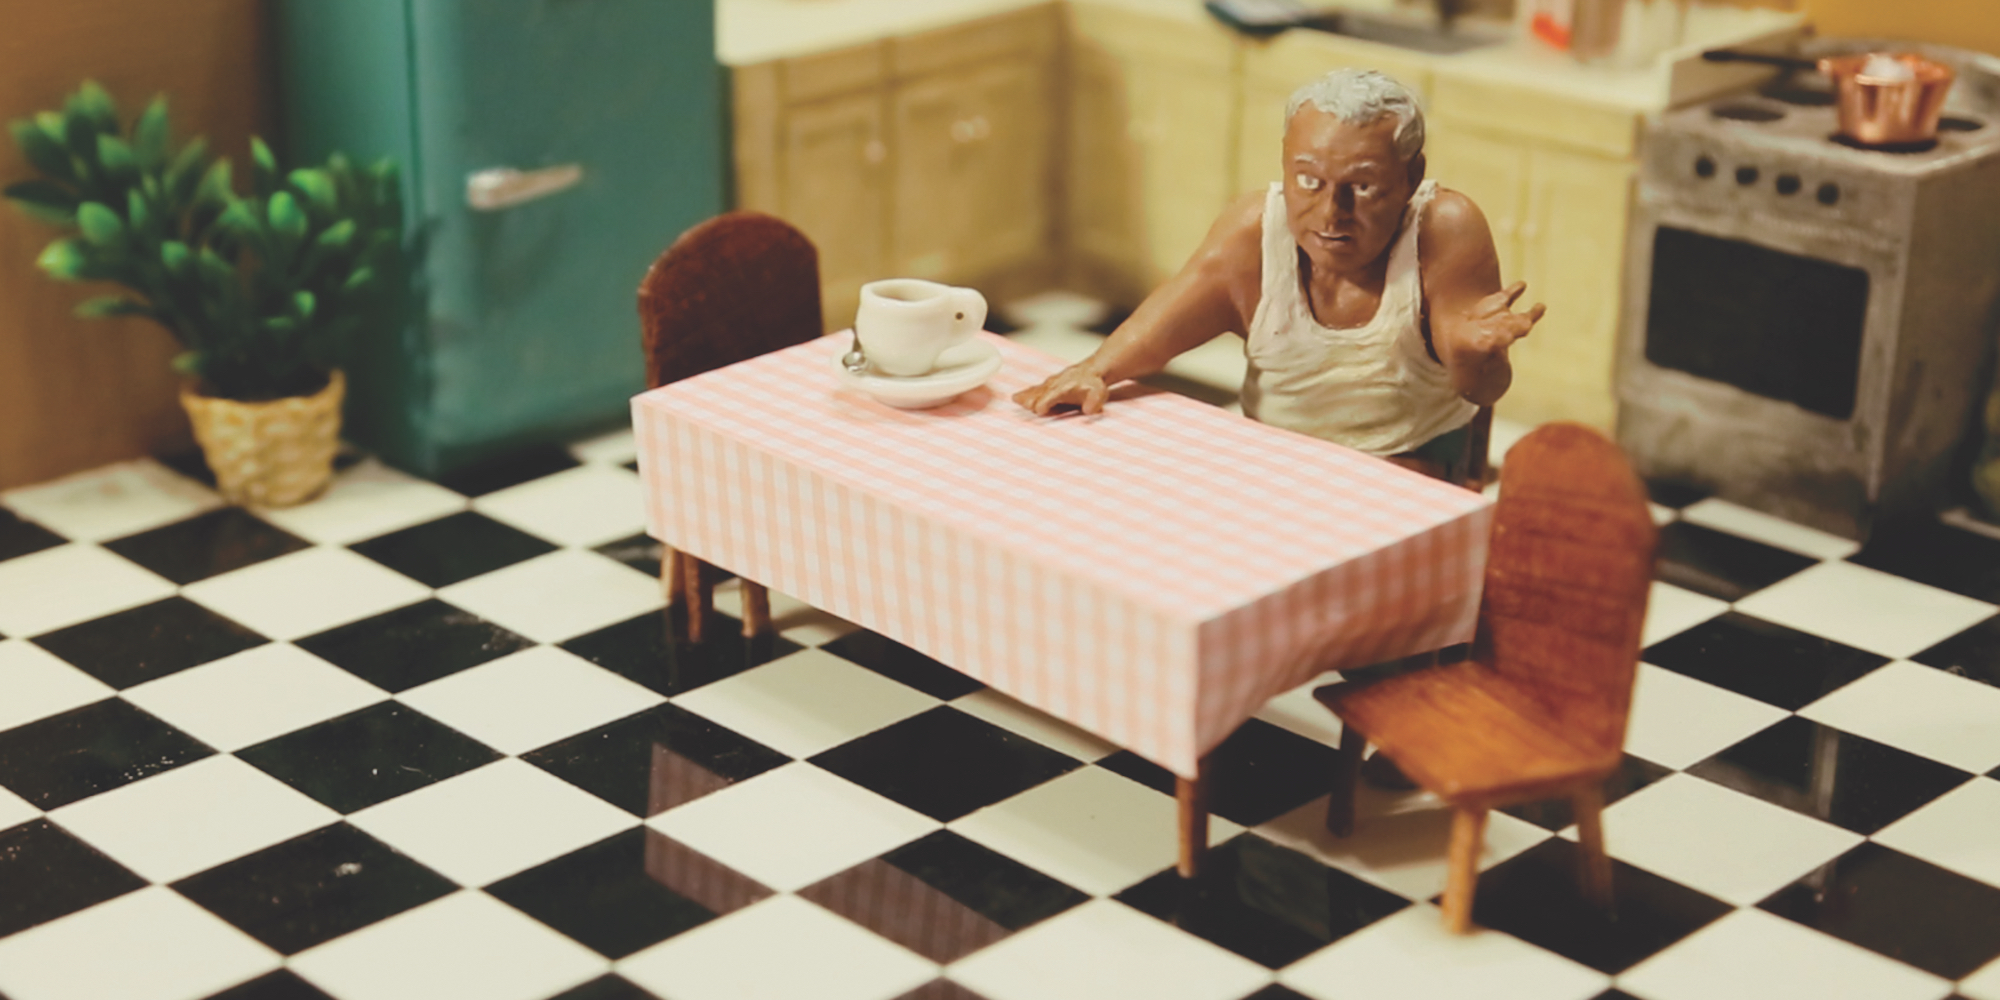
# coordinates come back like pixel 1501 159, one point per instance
pixel 1449 10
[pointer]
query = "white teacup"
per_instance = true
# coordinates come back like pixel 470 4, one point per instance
pixel 905 323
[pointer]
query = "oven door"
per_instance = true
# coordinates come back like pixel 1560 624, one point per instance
pixel 1754 359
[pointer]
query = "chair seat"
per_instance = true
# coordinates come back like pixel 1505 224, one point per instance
pixel 1462 732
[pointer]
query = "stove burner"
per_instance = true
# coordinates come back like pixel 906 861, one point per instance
pixel 1744 112
pixel 1921 146
pixel 1808 97
pixel 1960 125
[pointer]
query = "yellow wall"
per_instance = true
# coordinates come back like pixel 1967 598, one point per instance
pixel 1968 24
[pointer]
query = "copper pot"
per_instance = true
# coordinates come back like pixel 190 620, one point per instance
pixel 1883 111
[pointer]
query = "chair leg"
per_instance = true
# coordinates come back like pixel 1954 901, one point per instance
pixel 1468 831
pixel 673 577
pixel 1346 778
pixel 756 609
pixel 1588 805
pixel 700 596
pixel 1192 796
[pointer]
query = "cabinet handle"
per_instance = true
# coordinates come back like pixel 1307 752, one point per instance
pixel 875 151
pixel 971 129
pixel 505 187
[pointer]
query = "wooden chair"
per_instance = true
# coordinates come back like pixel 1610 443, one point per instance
pixel 1470 469
pixel 737 286
pixel 1539 710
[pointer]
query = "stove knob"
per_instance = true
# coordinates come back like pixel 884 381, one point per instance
pixel 1704 167
pixel 1788 184
pixel 1746 176
pixel 1829 193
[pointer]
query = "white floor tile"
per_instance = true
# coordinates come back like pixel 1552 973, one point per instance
pixel 39 684
pixel 15 810
pixel 1954 831
pixel 1866 608
pixel 306 592
pixel 1064 342
pixel 192 818
pixel 148 945
pixel 1732 846
pixel 1753 955
pixel 466 946
pixel 793 826
pixel 807 702
pixel 790 617
pixel 1219 363
pixel 257 694
pixel 1504 435
pixel 1983 984
pixel 1671 611
pixel 1410 956
pixel 1298 711
pixel 1090 828
pixel 1759 526
pixel 1679 721
pixel 1058 308
pixel 363 501
pixel 1033 723
pixel 47 590
pixel 529 699
pixel 611 448
pixel 588 505
pixel 486 824
pixel 558 596
pixel 1920 709
pixel 1399 841
pixel 823 957
pixel 112 501
pixel 1107 949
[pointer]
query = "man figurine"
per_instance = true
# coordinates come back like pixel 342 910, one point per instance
pixel 1369 297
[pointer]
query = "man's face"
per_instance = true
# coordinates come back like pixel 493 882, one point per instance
pixel 1345 188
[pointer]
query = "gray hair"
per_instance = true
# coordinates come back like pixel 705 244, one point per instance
pixel 1360 96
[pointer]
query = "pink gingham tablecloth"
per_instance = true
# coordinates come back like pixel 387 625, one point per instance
pixel 1152 575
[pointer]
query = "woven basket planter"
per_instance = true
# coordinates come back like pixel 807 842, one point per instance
pixel 270 454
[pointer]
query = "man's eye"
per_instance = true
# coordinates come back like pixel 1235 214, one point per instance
pixel 1365 190
pixel 1307 182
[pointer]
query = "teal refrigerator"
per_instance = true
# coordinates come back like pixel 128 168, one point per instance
pixel 550 150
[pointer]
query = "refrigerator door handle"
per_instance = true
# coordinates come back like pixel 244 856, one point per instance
pixel 500 188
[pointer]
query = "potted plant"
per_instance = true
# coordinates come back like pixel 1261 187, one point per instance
pixel 261 291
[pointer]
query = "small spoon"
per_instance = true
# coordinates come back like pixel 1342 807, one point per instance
pixel 854 361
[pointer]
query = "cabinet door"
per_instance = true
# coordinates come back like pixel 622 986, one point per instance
pixel 1104 191
pixel 1494 174
pixel 1573 259
pixel 1181 120
pixel 971 152
pixel 834 190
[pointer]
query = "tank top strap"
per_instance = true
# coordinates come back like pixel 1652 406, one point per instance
pixel 1404 282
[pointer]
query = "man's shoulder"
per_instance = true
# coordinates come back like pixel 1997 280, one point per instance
pixel 1451 215
pixel 1234 246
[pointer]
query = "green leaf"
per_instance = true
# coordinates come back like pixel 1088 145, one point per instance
pixel 115 155
pixel 137 214
pixel 188 363
pixel 303 304
pixel 318 187
pixel 44 200
pixel 263 168
pixel 338 235
pixel 149 135
pixel 44 152
pixel 176 256
pixel 100 224
pixel 286 217
pixel 359 280
pixel 215 185
pixel 186 170
pixel 108 306
pixel 63 260
pixel 95 103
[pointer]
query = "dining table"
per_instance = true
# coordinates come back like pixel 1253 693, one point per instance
pixel 1152 574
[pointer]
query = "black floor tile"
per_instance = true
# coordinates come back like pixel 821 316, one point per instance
pixel 45 873
pixel 1269 904
pixel 1937 554
pixel 609 986
pixel 941 989
pixel 655 760
pixel 1762 660
pixel 1555 814
pixel 1534 896
pixel 314 888
pixel 19 538
pixel 190 463
pixel 144 643
pixel 651 650
pixel 55 761
pixel 1891 903
pixel 628 892
pixel 372 755
pixel 282 984
pixel 1670 493
pixel 641 552
pixel 1973 653
pixel 1818 770
pixel 1202 391
pixel 1110 322
pixel 413 645
pixel 1721 565
pixel 633 465
pixel 1259 773
pixel 1277 991
pixel 207 545
pixel 944 763
pixel 512 469
pixel 450 549
pixel 943 896
pixel 900 663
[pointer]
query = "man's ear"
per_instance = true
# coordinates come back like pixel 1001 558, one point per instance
pixel 1417 166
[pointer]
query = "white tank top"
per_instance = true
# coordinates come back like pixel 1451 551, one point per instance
pixel 1373 388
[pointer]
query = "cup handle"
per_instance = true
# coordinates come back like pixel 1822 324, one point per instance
pixel 970 307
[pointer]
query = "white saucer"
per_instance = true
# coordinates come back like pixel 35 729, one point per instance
pixel 960 370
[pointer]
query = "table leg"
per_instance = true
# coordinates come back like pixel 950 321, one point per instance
pixel 1193 798
pixel 756 609
pixel 697 596
pixel 673 578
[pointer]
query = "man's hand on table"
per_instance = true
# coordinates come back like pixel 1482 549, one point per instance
pixel 1078 385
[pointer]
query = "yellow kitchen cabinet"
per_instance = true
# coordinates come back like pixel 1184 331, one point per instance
pixel 1493 172
pixel 1150 158
pixel 1273 69
pixel 836 192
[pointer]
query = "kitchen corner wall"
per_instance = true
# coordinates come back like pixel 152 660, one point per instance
pixel 79 393
pixel 1967 24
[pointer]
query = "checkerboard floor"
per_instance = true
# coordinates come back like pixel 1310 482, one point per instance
pixel 438 740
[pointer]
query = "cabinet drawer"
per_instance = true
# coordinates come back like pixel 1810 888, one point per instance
pixel 1526 113
pixel 1130 34
pixel 828 74
pixel 1296 58
pixel 1031 32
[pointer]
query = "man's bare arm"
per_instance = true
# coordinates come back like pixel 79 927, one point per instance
pixel 1207 298
pixel 1471 316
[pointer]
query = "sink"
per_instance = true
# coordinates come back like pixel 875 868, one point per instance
pixel 1421 34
